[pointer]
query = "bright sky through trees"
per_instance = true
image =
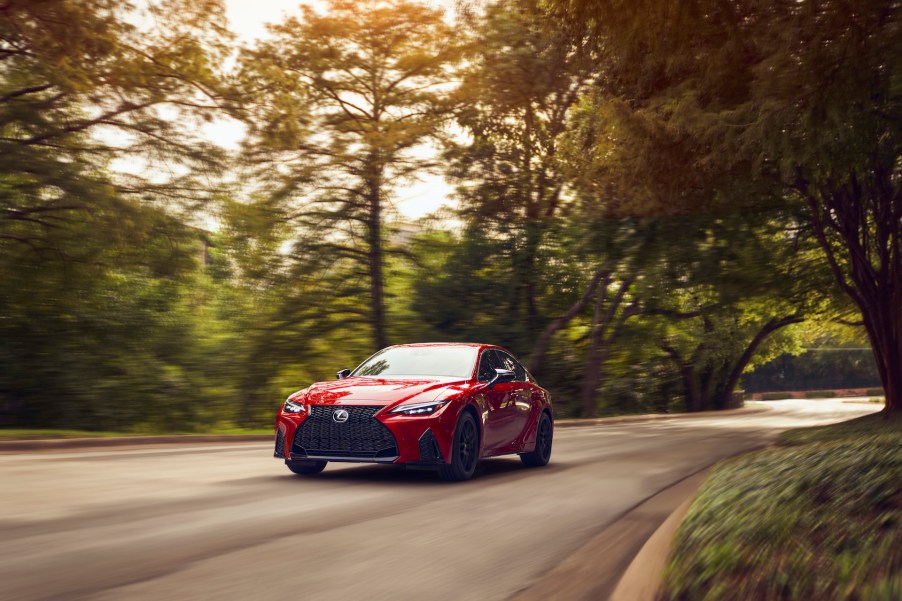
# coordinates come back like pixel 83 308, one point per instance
pixel 248 19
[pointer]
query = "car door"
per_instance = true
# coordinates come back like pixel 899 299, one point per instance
pixel 498 412
pixel 520 398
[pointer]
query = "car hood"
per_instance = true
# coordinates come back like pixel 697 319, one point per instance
pixel 379 391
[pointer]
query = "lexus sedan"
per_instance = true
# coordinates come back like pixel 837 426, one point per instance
pixel 439 406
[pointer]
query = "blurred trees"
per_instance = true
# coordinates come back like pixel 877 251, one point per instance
pixel 82 87
pixel 752 103
pixel 519 86
pixel 732 284
pixel 97 267
pixel 339 102
pixel 646 198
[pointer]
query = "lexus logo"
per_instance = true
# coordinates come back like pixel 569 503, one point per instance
pixel 340 416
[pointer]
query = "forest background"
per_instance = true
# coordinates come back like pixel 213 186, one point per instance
pixel 649 203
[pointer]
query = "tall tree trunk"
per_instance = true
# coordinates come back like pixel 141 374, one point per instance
pixel 594 360
pixel 691 388
pixel 704 389
pixel 533 240
pixel 606 326
pixel 884 327
pixel 858 224
pixel 691 393
pixel 375 257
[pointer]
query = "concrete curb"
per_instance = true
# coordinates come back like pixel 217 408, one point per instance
pixel 643 578
pixel 53 444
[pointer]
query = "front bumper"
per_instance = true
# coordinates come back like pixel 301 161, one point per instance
pixel 370 435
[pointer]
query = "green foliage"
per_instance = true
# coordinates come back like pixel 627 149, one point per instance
pixel 84 85
pixel 119 312
pixel 713 106
pixel 340 105
pixel 521 79
pixel 818 520
pixel 820 394
pixel 774 396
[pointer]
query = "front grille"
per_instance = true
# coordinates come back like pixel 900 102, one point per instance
pixel 280 443
pixel 361 437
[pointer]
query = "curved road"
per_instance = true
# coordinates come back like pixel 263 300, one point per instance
pixel 230 522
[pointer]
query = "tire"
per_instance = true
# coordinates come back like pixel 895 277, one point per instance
pixel 544 437
pixel 306 468
pixel 464 451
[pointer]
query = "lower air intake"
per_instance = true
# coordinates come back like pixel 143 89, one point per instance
pixel 280 443
pixel 429 451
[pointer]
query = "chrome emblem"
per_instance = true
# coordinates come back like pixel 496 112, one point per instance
pixel 340 416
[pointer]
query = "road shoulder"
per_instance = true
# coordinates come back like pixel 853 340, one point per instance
pixel 625 548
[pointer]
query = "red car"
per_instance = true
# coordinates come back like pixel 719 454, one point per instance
pixel 441 406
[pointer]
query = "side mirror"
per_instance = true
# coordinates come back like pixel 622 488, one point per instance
pixel 343 374
pixel 502 375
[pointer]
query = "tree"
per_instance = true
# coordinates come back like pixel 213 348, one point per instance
pixel 95 254
pixel 727 286
pixel 340 105
pixel 82 86
pixel 751 103
pixel 521 82
pixel 611 254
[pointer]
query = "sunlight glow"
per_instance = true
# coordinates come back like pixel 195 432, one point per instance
pixel 248 19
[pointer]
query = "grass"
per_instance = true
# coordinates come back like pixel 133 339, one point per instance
pixel 25 433
pixel 818 518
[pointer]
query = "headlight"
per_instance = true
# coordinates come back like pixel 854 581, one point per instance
pixel 292 407
pixel 420 408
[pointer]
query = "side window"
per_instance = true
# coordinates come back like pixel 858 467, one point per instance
pixel 488 364
pixel 512 364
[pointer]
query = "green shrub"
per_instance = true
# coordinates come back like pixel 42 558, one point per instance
pixel 820 394
pixel 818 520
pixel 775 396
pixel 874 392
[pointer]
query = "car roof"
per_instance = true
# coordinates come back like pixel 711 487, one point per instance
pixel 471 344
pixel 479 345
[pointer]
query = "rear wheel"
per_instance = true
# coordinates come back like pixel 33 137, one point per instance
pixel 306 468
pixel 542 453
pixel 464 451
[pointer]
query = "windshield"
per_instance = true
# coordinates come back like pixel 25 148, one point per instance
pixel 447 361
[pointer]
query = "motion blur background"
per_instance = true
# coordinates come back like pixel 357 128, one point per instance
pixel 202 215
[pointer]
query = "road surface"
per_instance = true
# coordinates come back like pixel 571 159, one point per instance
pixel 230 522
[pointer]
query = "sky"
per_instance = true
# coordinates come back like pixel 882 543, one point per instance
pixel 248 19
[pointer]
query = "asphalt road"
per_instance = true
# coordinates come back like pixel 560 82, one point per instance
pixel 230 522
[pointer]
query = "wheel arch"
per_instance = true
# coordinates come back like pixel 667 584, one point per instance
pixel 547 411
pixel 471 409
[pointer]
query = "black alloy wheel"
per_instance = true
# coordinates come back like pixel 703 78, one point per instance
pixel 464 451
pixel 306 467
pixel 542 453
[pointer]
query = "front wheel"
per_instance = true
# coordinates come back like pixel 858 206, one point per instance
pixel 306 468
pixel 464 451
pixel 542 453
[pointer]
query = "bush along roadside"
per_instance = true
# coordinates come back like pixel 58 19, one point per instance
pixel 775 396
pixel 819 517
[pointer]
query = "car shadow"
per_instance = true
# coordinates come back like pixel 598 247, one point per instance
pixel 487 469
